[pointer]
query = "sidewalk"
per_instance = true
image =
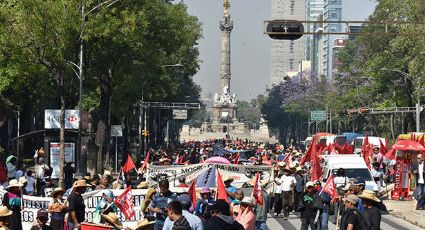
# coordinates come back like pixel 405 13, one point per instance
pixel 406 210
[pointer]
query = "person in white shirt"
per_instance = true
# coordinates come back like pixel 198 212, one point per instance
pixel 287 185
pixel 277 196
pixel 11 168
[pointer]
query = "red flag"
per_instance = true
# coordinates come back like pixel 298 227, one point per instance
pixel 145 163
pixel 236 160
pixel 382 148
pixel 390 155
pixel 316 169
pixel 180 161
pixel 125 203
pixel 221 190
pixel 287 158
pixel 422 140
pixel 257 192
pixel 310 152
pixel 365 151
pixel 129 164
pixel 330 187
pixel 192 193
pixel 186 162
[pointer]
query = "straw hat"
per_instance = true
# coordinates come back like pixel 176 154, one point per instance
pixel 309 184
pixel 226 178
pixel 80 183
pixel 281 164
pixel 4 211
pixel 248 201
pixel 143 184
pixel 56 190
pixel 143 223
pixel 23 180
pixel 299 169
pixel 14 183
pixel 112 218
pixel 369 195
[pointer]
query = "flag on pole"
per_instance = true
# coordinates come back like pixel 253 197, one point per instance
pixel 192 193
pixel 236 160
pixel 125 203
pixel 145 163
pixel 330 187
pixel 316 169
pixel 365 151
pixel 129 164
pixel 310 152
pixel 257 192
pixel 221 190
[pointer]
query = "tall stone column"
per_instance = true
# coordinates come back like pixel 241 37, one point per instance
pixel 226 26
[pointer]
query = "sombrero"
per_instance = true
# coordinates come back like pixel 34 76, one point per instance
pixel 14 183
pixel 112 218
pixel 369 195
pixel 56 190
pixel 80 183
pixel 4 211
pixel 143 223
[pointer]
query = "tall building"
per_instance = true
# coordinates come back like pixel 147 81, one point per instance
pixel 285 55
pixel 332 12
pixel 314 8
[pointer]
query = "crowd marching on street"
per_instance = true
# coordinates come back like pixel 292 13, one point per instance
pixel 295 188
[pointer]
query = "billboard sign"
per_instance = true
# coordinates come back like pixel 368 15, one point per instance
pixel 179 114
pixel 52 119
pixel 55 156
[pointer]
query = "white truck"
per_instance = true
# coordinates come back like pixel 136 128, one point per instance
pixel 354 166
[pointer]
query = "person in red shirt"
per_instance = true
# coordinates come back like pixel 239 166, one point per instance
pixel 182 182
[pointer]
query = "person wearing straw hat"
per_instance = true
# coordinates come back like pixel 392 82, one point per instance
pixel 57 208
pixel 24 182
pixel 104 183
pixel 12 200
pixel 231 190
pixel 246 216
pixel 299 186
pixel 42 218
pixel 5 214
pixel 76 207
pixel 372 214
pixel 144 224
pixel 111 219
pixel 287 184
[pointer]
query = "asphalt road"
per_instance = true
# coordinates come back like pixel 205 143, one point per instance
pixel 388 222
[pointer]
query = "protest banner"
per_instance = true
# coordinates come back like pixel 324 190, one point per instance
pixel 205 173
pixel 31 204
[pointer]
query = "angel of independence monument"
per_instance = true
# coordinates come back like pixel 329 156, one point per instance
pixel 224 114
pixel 224 118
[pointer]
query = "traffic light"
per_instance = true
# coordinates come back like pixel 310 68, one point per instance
pixel 145 133
pixel 363 110
pixel 285 29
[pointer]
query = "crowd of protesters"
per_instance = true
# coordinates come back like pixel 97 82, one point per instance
pixel 291 191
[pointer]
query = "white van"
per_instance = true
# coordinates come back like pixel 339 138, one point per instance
pixel 354 166
pixel 358 142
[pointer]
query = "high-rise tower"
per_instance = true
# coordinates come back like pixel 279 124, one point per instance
pixel 286 55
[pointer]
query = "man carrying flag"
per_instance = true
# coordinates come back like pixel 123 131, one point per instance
pixel 327 193
pixel 262 203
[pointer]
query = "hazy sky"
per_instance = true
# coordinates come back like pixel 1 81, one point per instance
pixel 250 48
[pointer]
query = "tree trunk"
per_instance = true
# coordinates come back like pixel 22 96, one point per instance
pixel 60 81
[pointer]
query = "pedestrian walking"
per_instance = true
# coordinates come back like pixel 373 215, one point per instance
pixel 372 213
pixel 351 218
pixel 419 172
pixel 42 218
pixel 261 212
pixel 57 209
pixel 299 188
pixel 76 207
pixel 159 203
pixel 288 183
pixel 12 200
pixel 309 207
